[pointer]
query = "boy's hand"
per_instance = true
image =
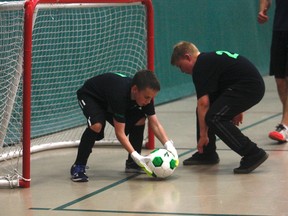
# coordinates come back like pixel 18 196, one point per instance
pixel 142 162
pixel 203 141
pixel 238 119
pixel 169 145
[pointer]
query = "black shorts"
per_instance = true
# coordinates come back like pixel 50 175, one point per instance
pixel 95 112
pixel 279 54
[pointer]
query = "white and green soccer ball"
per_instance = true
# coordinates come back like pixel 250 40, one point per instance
pixel 162 163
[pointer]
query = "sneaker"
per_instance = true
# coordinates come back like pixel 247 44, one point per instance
pixel 250 163
pixel 202 159
pixel 280 134
pixel 132 167
pixel 78 173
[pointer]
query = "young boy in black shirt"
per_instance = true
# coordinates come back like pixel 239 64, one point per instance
pixel 227 84
pixel 125 103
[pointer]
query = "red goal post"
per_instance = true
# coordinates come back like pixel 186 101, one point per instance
pixel 30 7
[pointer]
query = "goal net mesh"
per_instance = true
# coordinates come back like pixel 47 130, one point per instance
pixel 69 45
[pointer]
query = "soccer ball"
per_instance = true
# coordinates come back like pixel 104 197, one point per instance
pixel 162 163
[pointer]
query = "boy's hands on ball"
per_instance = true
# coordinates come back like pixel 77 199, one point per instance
pixel 142 162
pixel 169 145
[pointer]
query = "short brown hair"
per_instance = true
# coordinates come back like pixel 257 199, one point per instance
pixel 182 48
pixel 146 79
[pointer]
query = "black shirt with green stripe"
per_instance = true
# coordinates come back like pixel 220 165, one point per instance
pixel 112 91
pixel 215 72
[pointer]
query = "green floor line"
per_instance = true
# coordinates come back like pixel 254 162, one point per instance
pixel 95 192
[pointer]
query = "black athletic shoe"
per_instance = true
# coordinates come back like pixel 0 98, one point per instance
pixel 78 173
pixel 250 163
pixel 202 159
pixel 132 167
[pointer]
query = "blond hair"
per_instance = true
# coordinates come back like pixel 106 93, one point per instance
pixel 182 48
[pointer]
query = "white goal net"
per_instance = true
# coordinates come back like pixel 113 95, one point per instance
pixel 70 43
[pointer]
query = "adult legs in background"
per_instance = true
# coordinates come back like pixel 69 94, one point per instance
pixel 280 134
pixel 279 68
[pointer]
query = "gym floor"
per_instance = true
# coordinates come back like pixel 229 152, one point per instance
pixel 191 190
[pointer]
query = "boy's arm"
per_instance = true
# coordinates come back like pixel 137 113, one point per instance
pixel 157 129
pixel 203 104
pixel 161 135
pixel 121 136
pixel 123 139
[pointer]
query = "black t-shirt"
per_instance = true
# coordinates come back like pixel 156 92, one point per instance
pixel 214 72
pixel 112 91
pixel 281 16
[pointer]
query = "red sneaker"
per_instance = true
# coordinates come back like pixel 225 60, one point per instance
pixel 280 134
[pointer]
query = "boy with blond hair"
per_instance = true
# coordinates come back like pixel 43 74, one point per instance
pixel 227 84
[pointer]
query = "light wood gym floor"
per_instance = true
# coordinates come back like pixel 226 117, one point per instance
pixel 192 190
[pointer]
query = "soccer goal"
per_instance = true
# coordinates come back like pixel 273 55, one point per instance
pixel 48 49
